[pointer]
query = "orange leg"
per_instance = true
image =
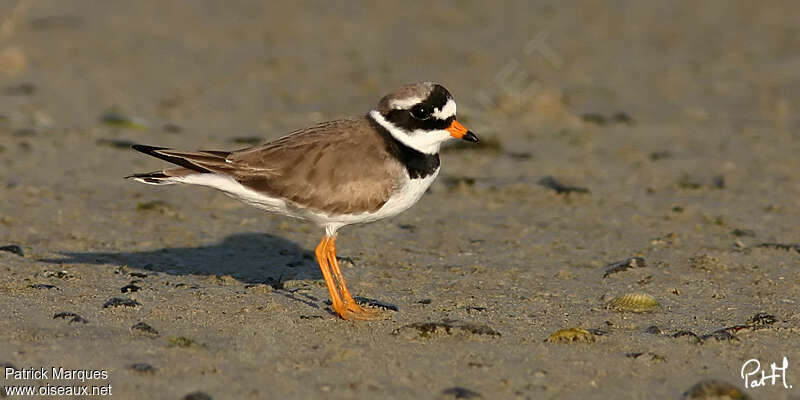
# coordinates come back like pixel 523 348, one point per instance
pixel 336 300
pixel 353 309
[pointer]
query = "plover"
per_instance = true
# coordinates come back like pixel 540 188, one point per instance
pixel 336 173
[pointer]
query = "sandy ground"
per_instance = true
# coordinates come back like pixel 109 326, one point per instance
pixel 680 120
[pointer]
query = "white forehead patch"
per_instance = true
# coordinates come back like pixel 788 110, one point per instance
pixel 404 104
pixel 449 110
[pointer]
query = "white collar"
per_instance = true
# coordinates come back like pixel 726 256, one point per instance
pixel 427 142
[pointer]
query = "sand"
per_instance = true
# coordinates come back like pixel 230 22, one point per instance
pixel 609 131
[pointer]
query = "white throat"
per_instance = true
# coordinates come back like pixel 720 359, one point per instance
pixel 427 142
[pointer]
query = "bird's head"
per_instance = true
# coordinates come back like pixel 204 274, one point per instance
pixel 421 116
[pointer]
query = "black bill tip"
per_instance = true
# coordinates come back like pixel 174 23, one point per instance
pixel 470 137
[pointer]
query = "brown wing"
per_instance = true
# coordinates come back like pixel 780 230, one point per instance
pixel 338 167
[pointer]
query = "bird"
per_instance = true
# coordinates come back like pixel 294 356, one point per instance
pixel 336 173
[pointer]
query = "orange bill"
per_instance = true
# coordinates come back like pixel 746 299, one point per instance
pixel 459 131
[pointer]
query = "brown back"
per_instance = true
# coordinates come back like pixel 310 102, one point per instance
pixel 338 167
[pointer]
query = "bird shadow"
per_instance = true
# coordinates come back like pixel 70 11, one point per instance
pixel 251 258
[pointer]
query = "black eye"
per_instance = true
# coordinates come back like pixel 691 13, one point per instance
pixel 421 111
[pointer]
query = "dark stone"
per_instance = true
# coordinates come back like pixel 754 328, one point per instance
pixel 744 232
pixel 781 246
pixel 462 393
pixel 552 183
pixel 619 266
pixel 144 328
pixel 43 286
pixel 719 335
pixel 143 368
pixel 71 316
pixel 12 248
pixel 129 288
pixel 120 302
pixel 762 319
pixel 197 396
pixel 654 330
pixel 447 327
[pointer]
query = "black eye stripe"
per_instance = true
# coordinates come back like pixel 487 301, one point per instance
pixel 403 119
pixel 421 111
pixel 437 99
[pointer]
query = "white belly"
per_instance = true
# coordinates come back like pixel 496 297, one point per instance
pixel 406 196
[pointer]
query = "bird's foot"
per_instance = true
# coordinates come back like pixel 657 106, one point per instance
pixel 352 311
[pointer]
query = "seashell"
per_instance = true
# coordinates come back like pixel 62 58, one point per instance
pixel 714 389
pixel 634 302
pixel 571 335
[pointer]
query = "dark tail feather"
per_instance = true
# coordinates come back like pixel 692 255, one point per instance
pixel 156 152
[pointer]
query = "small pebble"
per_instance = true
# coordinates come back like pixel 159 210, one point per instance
pixel 71 316
pixel 458 392
pixel 619 266
pixel 143 368
pixel 552 183
pixel 446 327
pixel 654 330
pixel 571 335
pixel 14 249
pixel 129 288
pixel 743 232
pixel 197 396
pixel 183 342
pixel 142 327
pixel 43 286
pixel 58 275
pixel 120 302
pixel 720 335
pixel 762 319
pixel 781 246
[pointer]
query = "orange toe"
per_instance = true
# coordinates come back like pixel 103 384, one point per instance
pixel 355 312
